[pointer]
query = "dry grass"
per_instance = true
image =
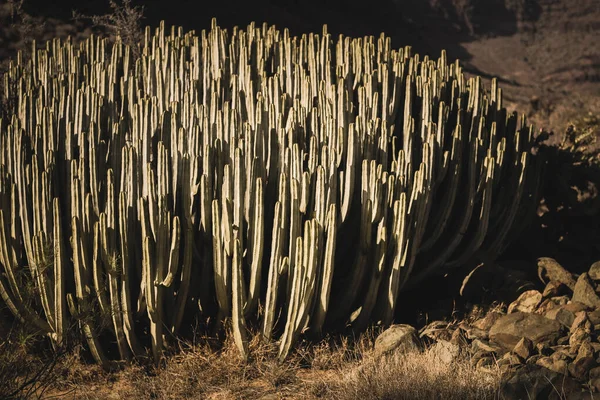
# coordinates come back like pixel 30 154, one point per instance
pixel 416 376
pixel 338 368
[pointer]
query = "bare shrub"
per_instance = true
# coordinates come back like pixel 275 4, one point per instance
pixel 125 22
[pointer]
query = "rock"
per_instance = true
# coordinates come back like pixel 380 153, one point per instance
pixel 579 336
pixel 473 333
pixel 508 362
pixel 534 382
pixel 563 354
pixel 565 314
pixel 594 272
pixel 524 348
pixel 527 302
pixel 564 340
pixel 546 306
pixel 561 315
pixel 543 349
pixel 509 329
pixel 458 338
pixel 482 345
pixel 595 378
pixel 402 338
pixel 561 300
pixel 437 330
pixel 445 352
pixel 584 292
pixel 565 351
pixel 583 363
pixel 594 317
pixel 580 321
pixel 488 321
pixel 553 271
pixel 554 289
pixel 558 366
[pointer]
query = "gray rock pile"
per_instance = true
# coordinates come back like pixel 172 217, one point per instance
pixel 546 342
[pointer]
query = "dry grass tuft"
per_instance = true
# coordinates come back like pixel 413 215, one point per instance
pixel 416 375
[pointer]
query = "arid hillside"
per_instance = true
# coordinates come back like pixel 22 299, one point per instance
pixel 544 52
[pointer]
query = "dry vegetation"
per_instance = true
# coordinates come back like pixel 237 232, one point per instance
pixel 331 369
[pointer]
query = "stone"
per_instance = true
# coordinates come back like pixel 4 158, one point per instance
pixel 563 355
pixel 561 300
pixel 594 317
pixel 445 352
pixel 580 321
pixel 509 329
pixel 458 338
pixel 594 272
pixel 546 306
pixel 534 358
pixel 436 330
pixel 595 378
pixel 579 336
pixel 527 302
pixel 543 349
pixel 565 314
pixel 583 363
pixel 554 289
pixel 565 351
pixel 534 382
pixel 473 333
pixel 524 348
pixel 558 366
pixel 563 340
pixel 508 362
pixel 485 346
pixel 397 338
pixel 553 271
pixel 585 293
pixel 488 321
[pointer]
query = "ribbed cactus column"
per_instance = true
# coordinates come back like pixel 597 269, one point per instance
pixel 247 178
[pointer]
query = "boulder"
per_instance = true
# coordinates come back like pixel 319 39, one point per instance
pixel 594 272
pixel 511 328
pixel 584 292
pixel 445 352
pixel 397 338
pixel 527 302
pixel 552 271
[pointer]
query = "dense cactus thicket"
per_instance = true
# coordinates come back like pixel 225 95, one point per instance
pixel 290 184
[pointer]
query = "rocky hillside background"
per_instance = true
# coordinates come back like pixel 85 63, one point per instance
pixel 545 52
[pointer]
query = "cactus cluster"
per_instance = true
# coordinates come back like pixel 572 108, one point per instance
pixel 291 184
